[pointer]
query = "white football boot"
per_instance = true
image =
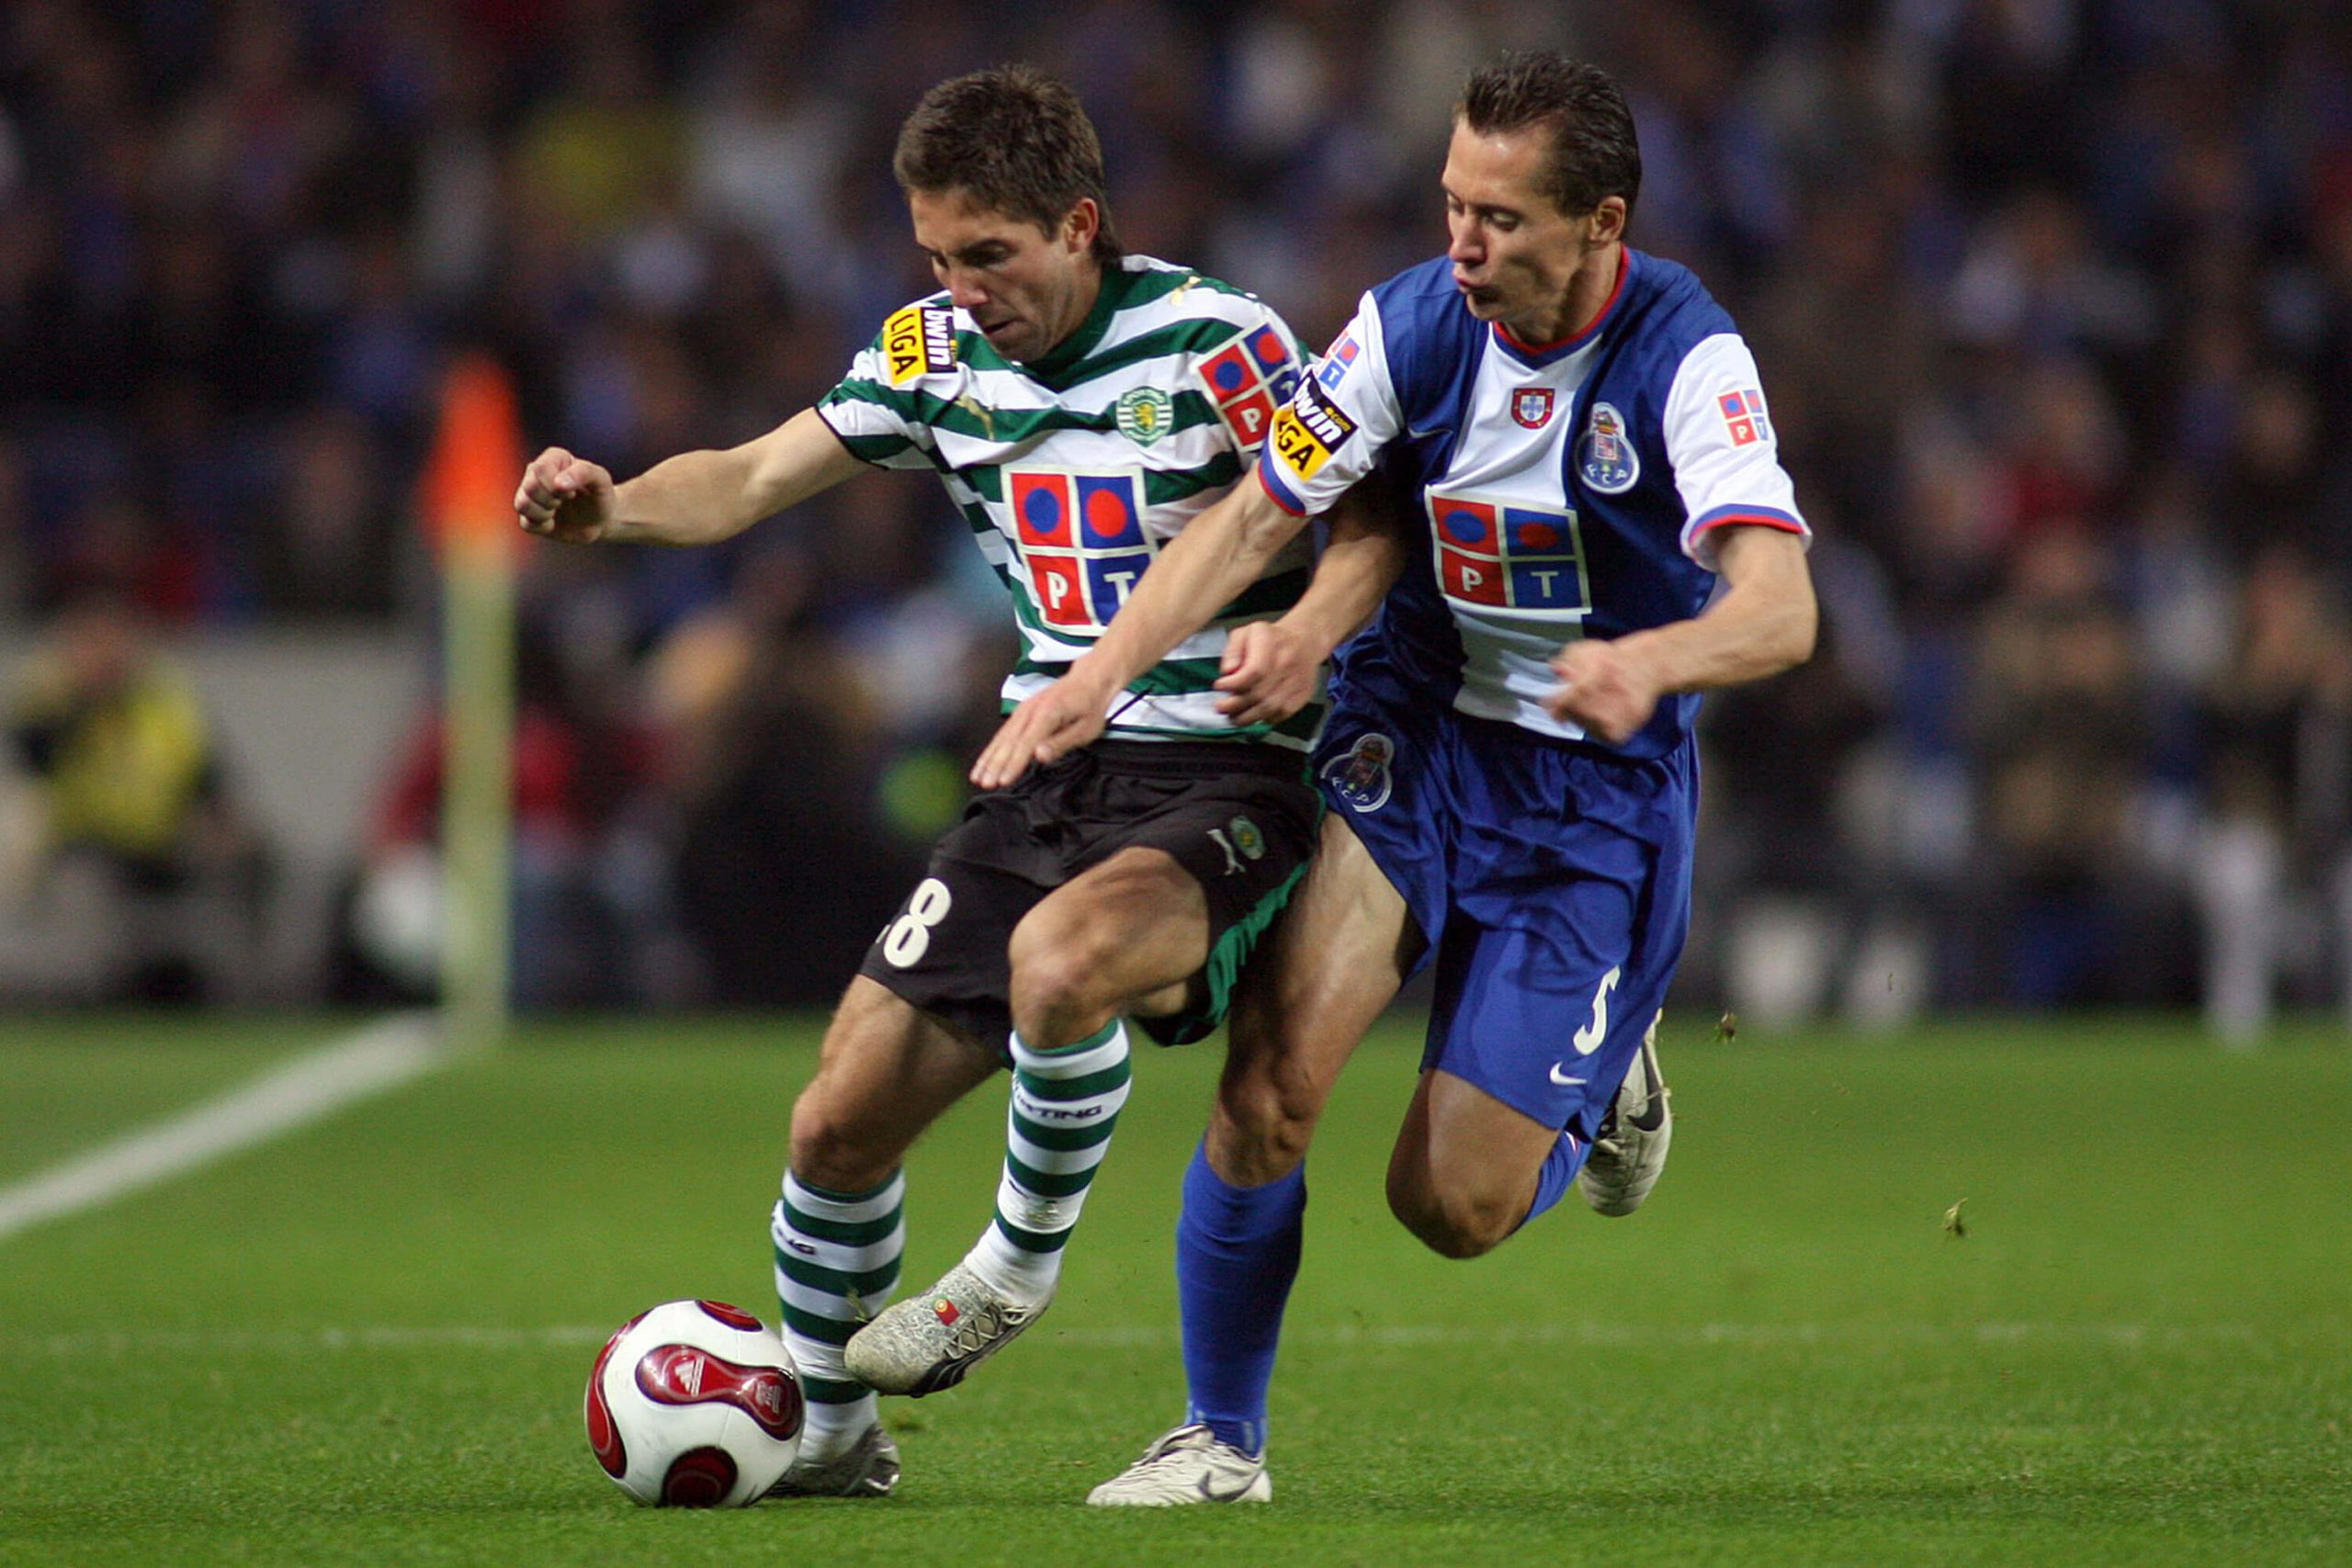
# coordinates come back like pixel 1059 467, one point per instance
pixel 929 1342
pixel 1629 1155
pixel 867 1468
pixel 1187 1465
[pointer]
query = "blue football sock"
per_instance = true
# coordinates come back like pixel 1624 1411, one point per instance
pixel 1560 1166
pixel 1236 1254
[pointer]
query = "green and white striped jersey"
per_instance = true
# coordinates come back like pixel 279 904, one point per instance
pixel 1074 468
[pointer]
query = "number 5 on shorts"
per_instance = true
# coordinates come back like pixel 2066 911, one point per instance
pixel 909 937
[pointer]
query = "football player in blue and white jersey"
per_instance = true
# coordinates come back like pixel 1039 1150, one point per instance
pixel 1596 528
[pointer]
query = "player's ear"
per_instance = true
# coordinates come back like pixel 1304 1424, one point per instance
pixel 1606 222
pixel 1081 225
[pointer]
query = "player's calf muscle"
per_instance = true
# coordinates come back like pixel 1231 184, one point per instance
pixel 885 1073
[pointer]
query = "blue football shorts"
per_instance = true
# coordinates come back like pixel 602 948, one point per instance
pixel 1552 879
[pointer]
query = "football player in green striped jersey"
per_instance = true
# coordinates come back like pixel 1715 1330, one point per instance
pixel 1079 405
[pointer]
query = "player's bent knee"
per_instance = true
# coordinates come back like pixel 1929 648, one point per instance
pixel 829 1149
pixel 1456 1225
pixel 1065 975
pixel 1268 1123
pixel 1051 987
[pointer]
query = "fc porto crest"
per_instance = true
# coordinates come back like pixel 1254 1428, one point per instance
pixel 1362 778
pixel 1143 415
pixel 1531 407
pixel 1605 456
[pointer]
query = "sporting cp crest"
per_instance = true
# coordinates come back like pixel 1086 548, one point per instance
pixel 1143 415
pixel 1606 456
pixel 1531 407
pixel 1362 777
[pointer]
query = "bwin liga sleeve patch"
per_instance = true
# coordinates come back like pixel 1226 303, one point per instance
pixel 917 341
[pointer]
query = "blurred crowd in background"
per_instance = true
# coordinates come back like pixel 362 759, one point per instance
pixel 2053 299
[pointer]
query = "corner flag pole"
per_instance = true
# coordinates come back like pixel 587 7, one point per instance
pixel 469 503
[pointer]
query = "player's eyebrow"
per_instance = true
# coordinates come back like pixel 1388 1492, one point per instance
pixel 978 253
pixel 1483 208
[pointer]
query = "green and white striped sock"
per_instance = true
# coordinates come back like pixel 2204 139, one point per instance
pixel 836 1263
pixel 1065 1104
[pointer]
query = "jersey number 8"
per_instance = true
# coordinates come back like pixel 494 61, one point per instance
pixel 909 937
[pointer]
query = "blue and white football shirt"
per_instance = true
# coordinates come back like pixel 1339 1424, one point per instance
pixel 1569 489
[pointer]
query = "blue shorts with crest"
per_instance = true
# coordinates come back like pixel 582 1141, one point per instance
pixel 1552 879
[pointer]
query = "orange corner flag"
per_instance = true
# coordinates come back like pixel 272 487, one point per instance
pixel 469 491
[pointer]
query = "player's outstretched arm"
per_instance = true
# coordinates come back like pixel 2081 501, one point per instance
pixel 696 498
pixel 1271 668
pixel 1197 573
pixel 1761 623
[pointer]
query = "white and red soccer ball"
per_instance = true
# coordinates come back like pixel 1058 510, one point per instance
pixel 694 1404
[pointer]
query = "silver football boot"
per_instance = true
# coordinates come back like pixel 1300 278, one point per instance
pixel 1187 1465
pixel 867 1468
pixel 932 1341
pixel 1629 1155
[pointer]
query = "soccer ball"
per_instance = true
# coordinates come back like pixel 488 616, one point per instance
pixel 694 1404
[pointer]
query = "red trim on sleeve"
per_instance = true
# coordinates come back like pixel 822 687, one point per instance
pixel 1758 519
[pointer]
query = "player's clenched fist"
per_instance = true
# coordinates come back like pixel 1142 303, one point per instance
pixel 1268 673
pixel 1603 688
pixel 564 497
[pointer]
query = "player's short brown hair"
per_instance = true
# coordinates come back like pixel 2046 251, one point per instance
pixel 1016 141
pixel 1594 152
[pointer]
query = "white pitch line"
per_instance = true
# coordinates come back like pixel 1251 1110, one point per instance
pixel 381 1057
pixel 1338 1336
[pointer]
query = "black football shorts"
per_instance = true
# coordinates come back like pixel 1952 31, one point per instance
pixel 1239 816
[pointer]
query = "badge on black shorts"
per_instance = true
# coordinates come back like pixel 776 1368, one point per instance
pixel 1362 778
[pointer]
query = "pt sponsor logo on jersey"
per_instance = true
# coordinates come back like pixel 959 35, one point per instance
pixel 1744 417
pixel 1531 407
pixel 1362 778
pixel 1309 430
pixel 1508 557
pixel 1248 379
pixel 1605 456
pixel 1083 541
pixel 1145 414
pixel 919 341
pixel 1337 360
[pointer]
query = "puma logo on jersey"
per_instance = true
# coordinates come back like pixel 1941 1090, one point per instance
pixel 979 411
pixel 1232 859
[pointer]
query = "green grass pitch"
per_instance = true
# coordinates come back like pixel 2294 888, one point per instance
pixel 366 1342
